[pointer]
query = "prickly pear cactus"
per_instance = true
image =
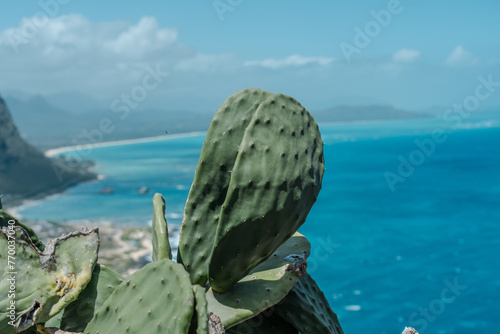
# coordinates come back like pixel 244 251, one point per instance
pixel 307 309
pixel 45 282
pixel 5 218
pixel 265 286
pixel 161 245
pixel 78 314
pixel 264 323
pixel 155 299
pixel 274 183
pixel 41 329
pixel 211 180
pixel 199 323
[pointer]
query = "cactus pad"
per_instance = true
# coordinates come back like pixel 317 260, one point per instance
pixel 161 245
pixel 5 218
pixel 48 281
pixel 307 309
pixel 264 323
pixel 265 286
pixel 211 180
pixel 199 323
pixel 158 298
pixel 274 183
pixel 78 314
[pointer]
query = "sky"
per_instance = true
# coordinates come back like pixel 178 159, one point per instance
pixel 191 55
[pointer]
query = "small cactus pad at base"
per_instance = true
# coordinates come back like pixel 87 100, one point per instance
pixel 307 309
pixel 31 330
pixel 78 314
pixel 199 323
pixel 265 286
pixel 161 244
pixel 211 180
pixel 158 298
pixel 52 330
pixel 268 322
pixel 46 282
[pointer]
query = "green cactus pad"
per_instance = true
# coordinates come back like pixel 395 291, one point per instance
pixel 31 330
pixel 46 282
pixel 43 329
pixel 264 323
pixel 161 245
pixel 265 286
pixel 274 183
pixel 78 314
pixel 307 309
pixel 211 181
pixel 199 323
pixel 5 218
pixel 155 299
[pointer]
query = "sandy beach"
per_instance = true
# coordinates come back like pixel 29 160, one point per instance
pixel 64 149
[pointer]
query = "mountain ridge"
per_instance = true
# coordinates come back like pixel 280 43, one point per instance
pixel 25 172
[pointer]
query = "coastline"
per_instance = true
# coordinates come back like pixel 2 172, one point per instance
pixel 17 203
pixel 56 151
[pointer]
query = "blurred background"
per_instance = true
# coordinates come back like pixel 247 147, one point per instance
pixel 406 94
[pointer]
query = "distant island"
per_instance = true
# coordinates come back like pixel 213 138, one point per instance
pixel 25 172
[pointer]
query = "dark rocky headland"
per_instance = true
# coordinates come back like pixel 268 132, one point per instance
pixel 26 173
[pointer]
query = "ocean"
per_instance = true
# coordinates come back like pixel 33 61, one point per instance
pixel 404 232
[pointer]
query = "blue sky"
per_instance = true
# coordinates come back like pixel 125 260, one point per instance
pixel 425 54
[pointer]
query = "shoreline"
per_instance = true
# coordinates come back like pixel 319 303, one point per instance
pixel 21 202
pixel 58 150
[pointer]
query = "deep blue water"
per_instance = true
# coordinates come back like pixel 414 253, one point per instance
pixel 423 253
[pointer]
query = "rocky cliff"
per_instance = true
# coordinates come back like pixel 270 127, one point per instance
pixel 26 172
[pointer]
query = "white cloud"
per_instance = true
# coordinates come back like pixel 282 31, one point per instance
pixel 66 35
pixel 71 52
pixel 293 60
pixel 142 38
pixel 406 56
pixel 460 57
pixel 206 63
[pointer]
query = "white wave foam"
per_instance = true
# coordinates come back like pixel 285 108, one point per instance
pixel 479 125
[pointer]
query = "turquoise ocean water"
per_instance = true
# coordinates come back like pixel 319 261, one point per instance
pixel 422 253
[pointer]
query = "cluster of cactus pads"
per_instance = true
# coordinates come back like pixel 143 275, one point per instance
pixel 241 264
